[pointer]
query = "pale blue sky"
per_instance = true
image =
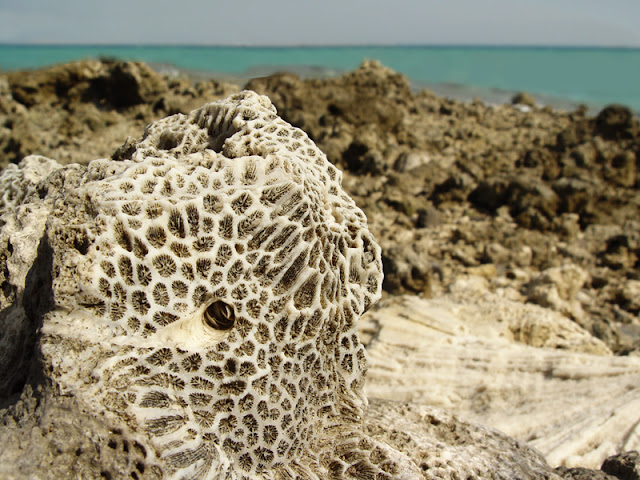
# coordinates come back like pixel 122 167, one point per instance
pixel 286 22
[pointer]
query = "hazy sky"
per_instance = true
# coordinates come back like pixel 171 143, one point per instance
pixel 278 22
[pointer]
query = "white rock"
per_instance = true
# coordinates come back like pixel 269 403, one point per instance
pixel 522 369
pixel 557 288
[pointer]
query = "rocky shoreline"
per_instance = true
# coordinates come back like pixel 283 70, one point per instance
pixel 514 202
pixel 543 204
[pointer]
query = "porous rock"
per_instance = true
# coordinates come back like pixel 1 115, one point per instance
pixel 78 111
pixel 616 121
pixel 204 292
pixel 439 440
pixel 193 310
pixel 413 153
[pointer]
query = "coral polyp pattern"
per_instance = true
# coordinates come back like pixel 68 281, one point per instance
pixel 205 288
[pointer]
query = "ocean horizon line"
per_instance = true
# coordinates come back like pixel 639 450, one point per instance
pixel 560 75
pixel 329 45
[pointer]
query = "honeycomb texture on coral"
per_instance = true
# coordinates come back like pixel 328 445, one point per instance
pixel 205 291
pixel 18 183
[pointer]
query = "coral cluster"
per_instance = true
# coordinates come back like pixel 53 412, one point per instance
pixel 205 288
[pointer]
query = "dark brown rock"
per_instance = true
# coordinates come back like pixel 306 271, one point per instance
pixel 578 473
pixel 616 122
pixel 115 83
pixel 490 195
pixel 523 98
pixel 360 111
pixel 405 270
pixel 126 84
pixel 428 218
pixel 575 134
pixel 625 466
pixel 77 111
pixel 532 203
pixel 622 169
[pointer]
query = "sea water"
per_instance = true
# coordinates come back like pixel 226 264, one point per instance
pixel 560 76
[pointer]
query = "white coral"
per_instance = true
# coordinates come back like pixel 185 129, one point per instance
pixel 205 291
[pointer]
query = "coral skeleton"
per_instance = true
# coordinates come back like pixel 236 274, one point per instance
pixel 205 285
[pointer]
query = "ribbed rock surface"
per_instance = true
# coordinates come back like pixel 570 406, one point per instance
pixel 520 368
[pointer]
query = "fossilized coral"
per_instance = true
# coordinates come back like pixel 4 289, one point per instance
pixel 205 289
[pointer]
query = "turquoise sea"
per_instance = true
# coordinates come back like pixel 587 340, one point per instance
pixel 559 76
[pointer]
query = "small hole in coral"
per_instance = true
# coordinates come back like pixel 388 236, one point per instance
pixel 168 140
pixel 81 244
pixel 219 315
pixel 140 448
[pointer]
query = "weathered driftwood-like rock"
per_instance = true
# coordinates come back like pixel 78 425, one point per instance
pixel 523 369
